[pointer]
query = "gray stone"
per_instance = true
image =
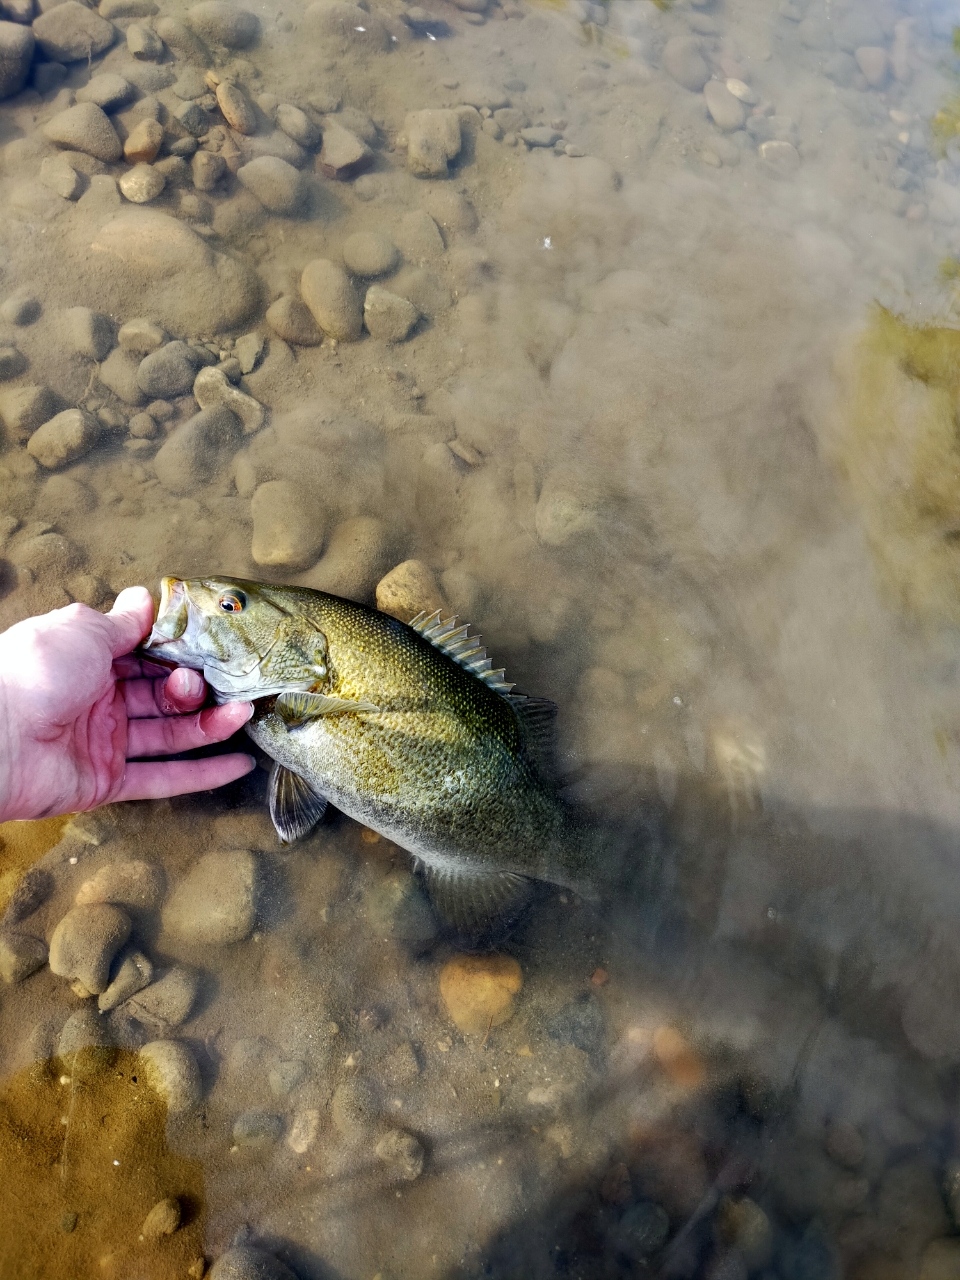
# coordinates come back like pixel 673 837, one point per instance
pixel 85 1029
pixel 192 117
pixel 433 139
pixel 192 454
pixel 85 942
pixel 135 972
pixel 16 54
pixel 58 176
pixel 90 333
pixel 221 23
pixel 167 372
pixel 20 955
pixel 145 45
pixel 142 427
pixel 141 336
pixel 113 9
pixel 367 253
pixel 358 554
pixel 276 184
pixel 257 1129
pixel 20 309
pixel 288 528
pixel 401 1154
pixel 18 11
pixel 683 61
pixel 334 303
pixel 132 883
pixel 244 1262
pixel 419 236
pixel 343 155
pixel 108 91
pixel 171 1069
pixel 23 409
pixel 297 125
pixel 176 35
pixel 165 1004
pixel 277 144
pixel 48 77
pixel 85 127
pixel 64 439
pixel 73 33
pixel 119 374
pixel 291 320
pixel 725 110
pixel 247 350
pixel 34 888
pixel 184 147
pixel 780 158
pixel 212 388
pixel 190 85
pixel 539 136
pixel 285 1076
pixel 215 903
pixel 13 362
pixel 387 315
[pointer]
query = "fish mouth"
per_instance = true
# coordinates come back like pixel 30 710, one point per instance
pixel 172 614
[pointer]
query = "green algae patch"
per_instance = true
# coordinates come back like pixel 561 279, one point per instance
pixel 898 441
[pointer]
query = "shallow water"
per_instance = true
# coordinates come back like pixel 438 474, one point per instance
pixel 675 427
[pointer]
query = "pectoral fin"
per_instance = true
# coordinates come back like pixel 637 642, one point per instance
pixel 476 903
pixel 295 709
pixel 295 806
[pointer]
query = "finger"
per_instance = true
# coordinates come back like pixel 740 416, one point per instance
pixel 132 617
pixel 157 779
pixel 169 735
pixel 184 690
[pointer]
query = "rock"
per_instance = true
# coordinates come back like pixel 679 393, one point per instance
pixel 112 9
pixel 343 155
pixel 275 144
pixel 423 288
pixel 725 110
pixel 453 211
pixel 190 85
pixel 168 372
pixel 387 315
pixel 243 1262
pixel 402 1155
pixel 16 55
pixel 162 1220
pixel 143 142
pixel 89 333
pixel 144 45
pixel 58 176
pixel 285 1076
pixel 641 1231
pixel 356 558
pixel 683 61
pixel 85 1043
pixel 176 35
pixel 408 589
pixel 85 942
pixel 354 1108
pixel 212 388
pixel 180 280
pixel 222 23
pixel 134 884
pixel 478 991
pixel 288 526
pixel 433 139
pixel 163 1005
pixel 193 452
pixel 207 168
pixel 141 336
pixel 20 955
pixel 248 349
pixel 484 95
pixel 259 1129
pixel 47 554
pixel 73 33
pixel 539 136
pixel 678 1058
pixel 84 127
pixel 215 903
pixel 135 973
pixel 303 1130
pixel 20 309
pixel 236 107
pixel 419 236
pixel 780 158
pixel 142 426
pixel 332 299
pixel 742 92
pixel 580 1023
pixel 18 11
pixel 192 117
pixel 276 184
pixel 64 438
pixel 743 1225
pixel 874 62
pixel 291 320
pixel 119 373
pixel 367 253
pixel 23 409
pixel 34 888
pixel 142 184
pixel 170 1068
pixel 62 495
pixel 12 363
pixel 296 124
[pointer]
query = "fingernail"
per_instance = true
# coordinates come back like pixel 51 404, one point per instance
pixel 192 682
pixel 248 708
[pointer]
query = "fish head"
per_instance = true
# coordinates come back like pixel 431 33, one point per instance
pixel 249 639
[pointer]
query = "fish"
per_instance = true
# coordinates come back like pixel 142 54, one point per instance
pixel 405 727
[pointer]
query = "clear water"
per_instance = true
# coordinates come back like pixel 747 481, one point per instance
pixel 677 432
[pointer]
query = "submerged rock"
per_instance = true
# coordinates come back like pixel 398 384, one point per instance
pixel 20 955
pixel 276 184
pixel 16 54
pixel 85 942
pixel 70 32
pixel 408 589
pixel 215 903
pixel 85 127
pixel 333 301
pixel 388 316
pixel 171 1069
pixel 288 526
pixel 478 991
pixel 219 22
pixel 64 438
pixel 433 139
pixel 243 1262
pixel 194 451
pixel 291 320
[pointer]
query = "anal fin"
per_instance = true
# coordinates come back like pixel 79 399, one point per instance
pixel 475 902
pixel 295 806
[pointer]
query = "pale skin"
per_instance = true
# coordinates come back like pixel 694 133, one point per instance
pixel 83 723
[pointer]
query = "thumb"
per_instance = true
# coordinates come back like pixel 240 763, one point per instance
pixel 132 618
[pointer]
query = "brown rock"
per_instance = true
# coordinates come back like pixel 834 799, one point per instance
pixel 478 991
pixel 143 143
pixel 290 319
pixel 333 301
pixel 408 589
pixel 343 155
pixel 236 107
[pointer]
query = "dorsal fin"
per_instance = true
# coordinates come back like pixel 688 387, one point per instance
pixel 445 635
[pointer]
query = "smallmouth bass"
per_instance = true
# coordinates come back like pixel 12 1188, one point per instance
pixel 405 728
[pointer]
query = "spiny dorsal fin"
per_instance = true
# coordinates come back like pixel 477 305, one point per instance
pixel 445 635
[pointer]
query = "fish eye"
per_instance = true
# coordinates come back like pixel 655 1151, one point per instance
pixel 233 602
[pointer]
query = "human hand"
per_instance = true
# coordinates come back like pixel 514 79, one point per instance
pixel 76 712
